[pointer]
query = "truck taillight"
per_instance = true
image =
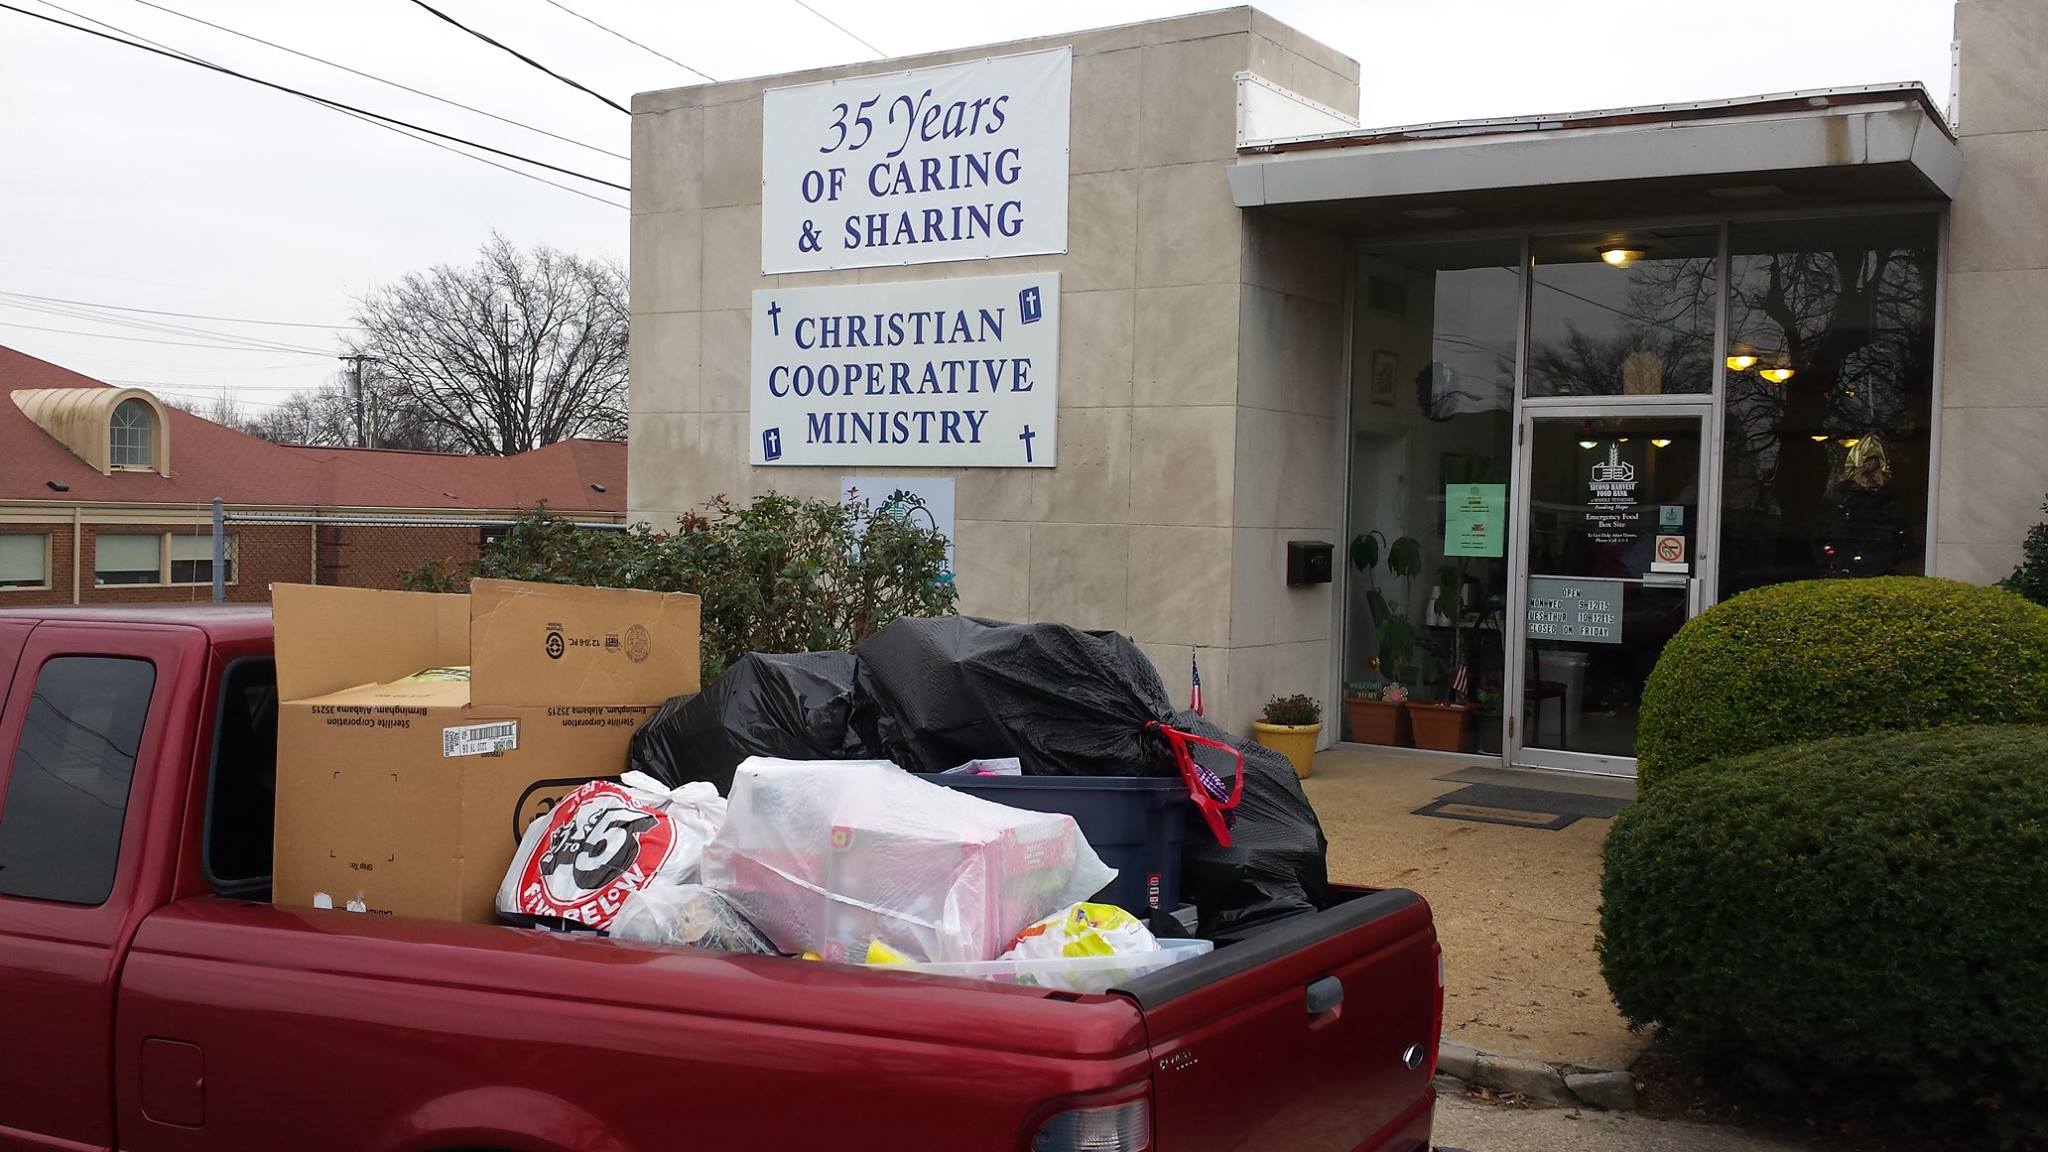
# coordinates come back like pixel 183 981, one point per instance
pixel 1125 1127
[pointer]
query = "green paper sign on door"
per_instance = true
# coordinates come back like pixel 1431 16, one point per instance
pixel 1475 519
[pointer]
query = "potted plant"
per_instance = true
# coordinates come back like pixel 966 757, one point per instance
pixel 1445 725
pixel 1290 726
pixel 1376 714
pixel 1374 709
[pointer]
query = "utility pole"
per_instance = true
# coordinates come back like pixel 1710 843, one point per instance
pixel 356 396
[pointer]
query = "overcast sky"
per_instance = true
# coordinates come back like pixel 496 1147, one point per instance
pixel 132 180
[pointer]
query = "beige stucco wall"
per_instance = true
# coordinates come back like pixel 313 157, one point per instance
pixel 1200 356
pixel 1994 417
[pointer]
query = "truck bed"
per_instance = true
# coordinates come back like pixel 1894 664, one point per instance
pixel 383 1027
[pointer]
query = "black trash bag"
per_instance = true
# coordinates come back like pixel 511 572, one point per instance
pixel 933 693
pixel 1276 864
pixel 794 706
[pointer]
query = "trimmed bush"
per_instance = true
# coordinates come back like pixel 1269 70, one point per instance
pixel 1862 918
pixel 1820 658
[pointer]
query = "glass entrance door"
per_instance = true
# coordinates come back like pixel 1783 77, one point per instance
pixel 1610 558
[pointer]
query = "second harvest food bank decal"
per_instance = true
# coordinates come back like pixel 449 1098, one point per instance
pixel 960 162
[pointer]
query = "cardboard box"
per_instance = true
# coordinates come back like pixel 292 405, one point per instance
pixel 402 784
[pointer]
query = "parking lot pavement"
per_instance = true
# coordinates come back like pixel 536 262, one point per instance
pixel 1472 1126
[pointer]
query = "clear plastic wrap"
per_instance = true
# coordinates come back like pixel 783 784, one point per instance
pixel 687 914
pixel 580 860
pixel 834 856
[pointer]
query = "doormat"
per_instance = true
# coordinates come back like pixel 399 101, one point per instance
pixel 1536 808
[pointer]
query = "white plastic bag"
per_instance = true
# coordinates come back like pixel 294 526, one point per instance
pixel 833 856
pixel 600 843
pixel 687 914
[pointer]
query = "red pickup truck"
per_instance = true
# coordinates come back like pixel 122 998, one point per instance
pixel 152 998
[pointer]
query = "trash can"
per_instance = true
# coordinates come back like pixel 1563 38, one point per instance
pixel 1137 824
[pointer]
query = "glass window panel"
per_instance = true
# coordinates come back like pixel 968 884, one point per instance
pixel 130 435
pixel 127 559
pixel 23 559
pixel 60 825
pixel 1638 323
pixel 192 559
pixel 1433 371
pixel 1830 388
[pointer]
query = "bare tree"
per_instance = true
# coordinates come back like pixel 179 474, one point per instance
pixel 513 352
pixel 325 418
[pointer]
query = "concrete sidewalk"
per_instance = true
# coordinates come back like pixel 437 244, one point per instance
pixel 1516 908
pixel 1471 1126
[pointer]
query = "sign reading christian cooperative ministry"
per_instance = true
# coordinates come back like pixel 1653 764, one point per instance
pixel 938 373
pixel 961 162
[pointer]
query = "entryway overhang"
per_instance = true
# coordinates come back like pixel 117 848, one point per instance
pixel 1788 152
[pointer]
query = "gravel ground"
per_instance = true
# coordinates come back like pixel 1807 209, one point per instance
pixel 1516 908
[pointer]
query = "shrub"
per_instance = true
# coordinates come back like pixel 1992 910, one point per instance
pixel 1801 661
pixel 779 575
pixel 1861 918
pixel 2030 579
pixel 1296 709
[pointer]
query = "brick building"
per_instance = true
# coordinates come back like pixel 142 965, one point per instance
pixel 106 495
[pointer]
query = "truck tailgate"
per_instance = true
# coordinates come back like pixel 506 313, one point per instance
pixel 1317 1034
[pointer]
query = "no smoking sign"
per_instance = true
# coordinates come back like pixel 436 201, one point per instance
pixel 1670 555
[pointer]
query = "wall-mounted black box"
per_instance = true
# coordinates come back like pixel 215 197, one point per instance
pixel 1308 562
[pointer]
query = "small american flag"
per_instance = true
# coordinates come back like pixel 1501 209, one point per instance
pixel 1194 685
pixel 1461 682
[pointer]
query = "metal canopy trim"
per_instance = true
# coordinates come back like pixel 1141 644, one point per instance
pixel 1867 128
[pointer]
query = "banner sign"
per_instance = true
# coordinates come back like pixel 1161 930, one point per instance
pixel 959 162
pixel 928 373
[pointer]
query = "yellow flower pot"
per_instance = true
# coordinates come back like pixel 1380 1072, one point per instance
pixel 1297 742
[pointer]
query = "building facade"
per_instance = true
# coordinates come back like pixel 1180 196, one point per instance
pixel 106 496
pixel 1483 410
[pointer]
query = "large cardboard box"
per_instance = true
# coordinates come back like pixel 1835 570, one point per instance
pixel 403 784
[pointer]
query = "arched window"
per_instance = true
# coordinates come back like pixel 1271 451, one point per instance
pixel 132 433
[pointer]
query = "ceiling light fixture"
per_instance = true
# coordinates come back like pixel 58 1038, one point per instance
pixel 1621 257
pixel 1659 442
pixel 1741 363
pixel 1848 441
pixel 1589 445
pixel 1820 438
pixel 1775 375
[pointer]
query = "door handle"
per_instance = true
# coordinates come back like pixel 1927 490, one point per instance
pixel 1324 995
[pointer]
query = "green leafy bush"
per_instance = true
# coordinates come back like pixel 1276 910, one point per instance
pixel 2030 579
pixel 1864 918
pixel 1819 658
pixel 781 574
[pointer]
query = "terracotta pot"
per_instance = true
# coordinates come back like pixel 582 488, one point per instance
pixel 1441 727
pixel 1375 721
pixel 1297 742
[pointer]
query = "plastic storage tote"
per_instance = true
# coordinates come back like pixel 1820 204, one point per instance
pixel 1135 823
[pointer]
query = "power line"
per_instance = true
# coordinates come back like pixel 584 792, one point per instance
pixel 186 315
pixel 382 80
pixel 835 24
pixel 145 340
pixel 336 104
pixel 521 55
pixel 621 35
pixel 320 103
pixel 155 326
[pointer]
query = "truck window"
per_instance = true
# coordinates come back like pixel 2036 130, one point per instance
pixel 60 824
pixel 241 802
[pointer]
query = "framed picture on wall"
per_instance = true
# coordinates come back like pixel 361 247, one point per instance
pixel 1384 365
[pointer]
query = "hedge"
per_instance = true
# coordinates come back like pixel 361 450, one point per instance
pixel 1861 918
pixel 1820 658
